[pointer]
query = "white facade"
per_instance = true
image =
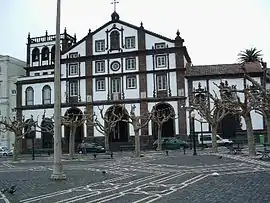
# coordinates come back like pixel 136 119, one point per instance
pixel 10 69
pixel 257 119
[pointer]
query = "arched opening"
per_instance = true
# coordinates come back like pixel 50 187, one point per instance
pixel 229 125
pixel 29 96
pixel 46 94
pixel 115 40
pixel 53 54
pixel 168 127
pixel 120 132
pixel 79 131
pixel 35 55
pixel 45 54
pixel 47 133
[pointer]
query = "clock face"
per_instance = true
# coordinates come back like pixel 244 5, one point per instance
pixel 115 66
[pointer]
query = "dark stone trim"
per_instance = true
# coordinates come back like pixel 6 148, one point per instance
pixel 34 81
pixel 222 76
pixel 89 83
pixel 104 102
pixel 123 23
pixel 110 56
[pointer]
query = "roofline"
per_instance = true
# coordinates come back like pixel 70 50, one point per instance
pixel 124 23
pixel 12 60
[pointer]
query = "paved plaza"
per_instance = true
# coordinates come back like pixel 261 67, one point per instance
pixel 152 178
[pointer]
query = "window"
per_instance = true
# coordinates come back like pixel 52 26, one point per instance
pixel 115 66
pixel 130 42
pixel 161 61
pixel 29 96
pixel 45 73
pixel 35 55
pixel 116 85
pixel 159 45
pixel 130 64
pixel 73 55
pixel 73 69
pixel 13 92
pixel 115 40
pixel 100 45
pixel 100 66
pixel 100 85
pixel 73 88
pixel 52 72
pixel 53 53
pixel 36 74
pixel 131 82
pixel 161 82
pixel 46 94
pixel 45 54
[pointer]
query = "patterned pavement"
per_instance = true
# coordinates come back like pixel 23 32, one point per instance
pixel 153 178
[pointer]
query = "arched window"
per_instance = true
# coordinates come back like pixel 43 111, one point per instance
pixel 35 54
pixel 46 94
pixel 115 40
pixel 29 96
pixel 53 53
pixel 45 54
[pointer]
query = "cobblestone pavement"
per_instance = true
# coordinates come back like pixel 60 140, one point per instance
pixel 153 178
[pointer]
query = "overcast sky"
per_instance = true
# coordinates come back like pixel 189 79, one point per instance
pixel 214 30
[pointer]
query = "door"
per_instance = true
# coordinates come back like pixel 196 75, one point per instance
pixel 116 85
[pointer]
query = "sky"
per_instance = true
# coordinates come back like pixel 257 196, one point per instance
pixel 215 31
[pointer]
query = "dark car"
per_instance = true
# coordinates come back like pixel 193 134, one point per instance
pixel 171 143
pixel 90 148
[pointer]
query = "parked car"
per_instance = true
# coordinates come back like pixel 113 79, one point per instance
pixel 6 152
pixel 90 147
pixel 207 140
pixel 170 143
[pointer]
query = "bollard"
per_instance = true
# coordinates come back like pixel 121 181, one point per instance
pixel 111 155
pixel 167 153
pixel 184 149
pixel 95 156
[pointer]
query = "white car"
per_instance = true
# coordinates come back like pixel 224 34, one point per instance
pixel 207 140
pixel 5 152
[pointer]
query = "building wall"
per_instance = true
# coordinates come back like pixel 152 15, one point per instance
pixel 10 69
pixel 257 119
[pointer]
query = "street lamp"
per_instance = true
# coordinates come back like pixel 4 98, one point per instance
pixel 201 122
pixel 32 133
pixel 193 132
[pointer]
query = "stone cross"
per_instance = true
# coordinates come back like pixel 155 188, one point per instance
pixel 114 4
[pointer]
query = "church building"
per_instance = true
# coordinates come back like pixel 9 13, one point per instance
pixel 118 63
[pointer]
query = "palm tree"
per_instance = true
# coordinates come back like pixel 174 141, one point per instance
pixel 250 55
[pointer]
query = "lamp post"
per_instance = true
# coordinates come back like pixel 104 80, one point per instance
pixel 58 173
pixel 32 133
pixel 201 122
pixel 193 132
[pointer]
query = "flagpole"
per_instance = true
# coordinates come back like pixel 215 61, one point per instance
pixel 58 173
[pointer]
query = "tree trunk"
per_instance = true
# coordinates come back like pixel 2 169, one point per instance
pixel 15 148
pixel 72 142
pixel 268 128
pixel 106 142
pixel 250 136
pixel 159 147
pixel 137 144
pixel 214 138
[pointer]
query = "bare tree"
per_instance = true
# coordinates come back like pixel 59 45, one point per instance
pixel 20 128
pixel 73 121
pixel 259 96
pixel 110 119
pixel 238 107
pixel 138 122
pixel 161 116
pixel 212 109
